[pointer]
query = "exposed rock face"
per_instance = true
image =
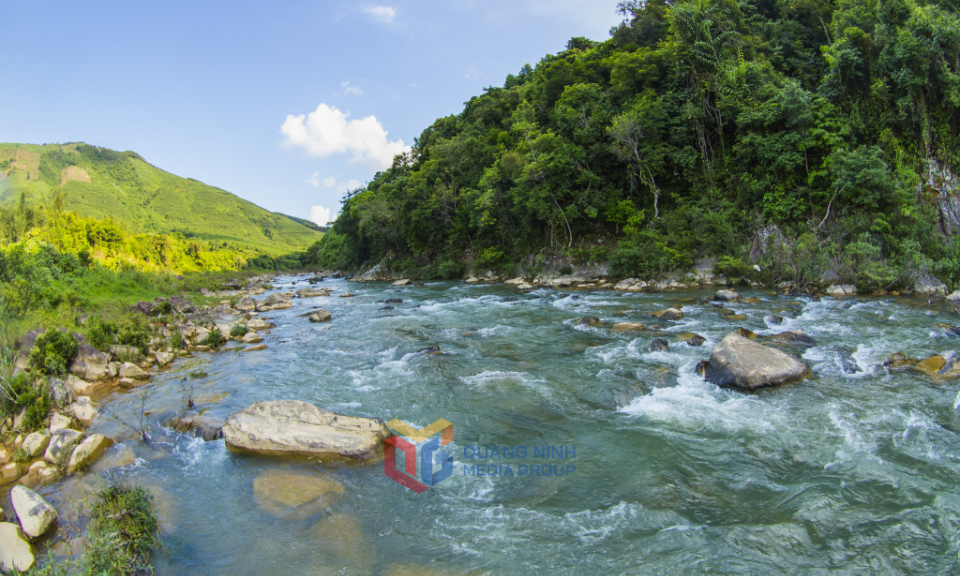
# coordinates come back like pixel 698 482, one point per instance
pixel 320 316
pixel 285 493
pixel 15 551
pixel 726 296
pixel 739 362
pixel 668 314
pixel 621 327
pixel 842 290
pixel 927 285
pixel 88 452
pixel 35 514
pixel 61 441
pixel 295 428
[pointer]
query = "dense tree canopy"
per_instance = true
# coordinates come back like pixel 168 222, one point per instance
pixel 697 124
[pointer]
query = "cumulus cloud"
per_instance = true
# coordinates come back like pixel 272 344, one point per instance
pixel 327 131
pixel 320 215
pixel 351 90
pixel 313 180
pixel 348 186
pixel 384 14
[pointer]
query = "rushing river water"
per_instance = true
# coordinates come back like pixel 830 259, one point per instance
pixel 855 470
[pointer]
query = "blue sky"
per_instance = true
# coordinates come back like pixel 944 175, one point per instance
pixel 288 103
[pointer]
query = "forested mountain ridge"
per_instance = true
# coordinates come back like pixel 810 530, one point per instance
pixel 102 183
pixel 806 136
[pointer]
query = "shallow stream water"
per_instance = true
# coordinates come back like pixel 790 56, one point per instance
pixel 854 470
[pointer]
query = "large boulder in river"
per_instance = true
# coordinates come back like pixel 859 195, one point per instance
pixel 295 428
pixel 15 550
pixel 35 514
pixel 311 292
pixel 319 316
pixel 670 314
pixel 841 290
pixel 739 362
pixel 91 364
pixel 726 296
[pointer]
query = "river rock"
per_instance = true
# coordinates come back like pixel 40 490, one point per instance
pixel 341 535
pixel 132 371
pixel 402 282
pixel 795 337
pixel 61 441
pixel 746 333
pixel 295 428
pixel 587 321
pixel 206 427
pixel 233 284
pixel 739 362
pixel 164 358
pixel 122 352
pixel 83 410
pixel 251 338
pixel 42 473
pixel 276 301
pixel 954 297
pixel 319 316
pixel 346 295
pixel 311 292
pixel 59 422
pixel 245 305
pixel 621 327
pixel 726 296
pixel 182 305
pixel 260 324
pixel 10 472
pixel 694 340
pixel 91 364
pixel 286 493
pixel 255 348
pixel 16 553
pixel 516 281
pixel 35 514
pixel 899 360
pixel 774 320
pixel 659 345
pixel 526 287
pixel 670 314
pixel 841 290
pixel 87 452
pixel 926 285
pixel 35 444
pixel 931 365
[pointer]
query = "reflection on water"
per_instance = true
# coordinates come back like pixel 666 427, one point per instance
pixel 854 470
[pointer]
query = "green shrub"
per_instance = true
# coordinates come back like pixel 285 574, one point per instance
pixel 213 339
pixel 102 334
pixel 450 270
pixel 238 330
pixel 198 374
pixel 163 308
pixel 19 393
pixel 733 268
pixel 177 342
pixel 123 531
pixel 566 270
pixel 20 456
pixel 136 335
pixel 53 351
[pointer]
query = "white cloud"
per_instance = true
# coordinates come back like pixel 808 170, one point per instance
pixel 320 215
pixel 313 180
pixel 327 131
pixel 352 90
pixel 329 181
pixel 349 186
pixel 384 14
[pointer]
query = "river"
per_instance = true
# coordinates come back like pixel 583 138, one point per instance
pixel 854 470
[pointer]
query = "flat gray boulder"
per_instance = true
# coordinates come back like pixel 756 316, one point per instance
pixel 738 362
pixel 295 428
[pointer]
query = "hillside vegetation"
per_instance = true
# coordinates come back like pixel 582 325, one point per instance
pixel 101 183
pixel 811 137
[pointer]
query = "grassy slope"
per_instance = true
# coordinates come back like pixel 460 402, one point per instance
pixel 145 198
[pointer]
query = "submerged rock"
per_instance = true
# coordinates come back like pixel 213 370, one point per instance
pixel 587 321
pixel 899 360
pixel 693 340
pixel 295 428
pixel 434 350
pixel 206 427
pixel 774 320
pixel 16 553
pixel 795 337
pixel 36 515
pixel 741 363
pixel 285 493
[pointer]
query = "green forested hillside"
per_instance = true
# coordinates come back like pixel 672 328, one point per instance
pixel 102 183
pixel 808 136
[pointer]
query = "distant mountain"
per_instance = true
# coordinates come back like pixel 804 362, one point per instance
pixel 304 221
pixel 104 183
